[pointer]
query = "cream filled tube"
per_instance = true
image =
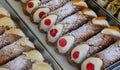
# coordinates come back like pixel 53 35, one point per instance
pixel 64 44
pixel 95 44
pixel 103 59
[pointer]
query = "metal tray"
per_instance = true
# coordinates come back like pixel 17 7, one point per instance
pixel 41 36
pixel 38 45
pixel 114 18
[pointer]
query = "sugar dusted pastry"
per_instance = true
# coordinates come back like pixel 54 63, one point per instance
pixel 25 61
pixel 6 39
pixel 3 12
pixel 61 13
pixel 10 36
pixel 19 63
pixel 81 34
pixel 95 44
pixel 38 13
pixel 118 14
pixel 103 59
pixel 13 50
pixel 65 26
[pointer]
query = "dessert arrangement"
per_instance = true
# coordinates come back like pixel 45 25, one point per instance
pixel 112 6
pixel 17 52
pixel 76 32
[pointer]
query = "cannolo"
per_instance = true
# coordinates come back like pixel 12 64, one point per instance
pixel 13 50
pixel 4 12
pixel 10 36
pixel 81 34
pixel 38 13
pixel 95 44
pixel 59 14
pixel 103 59
pixel 5 24
pixel 29 60
pixel 68 24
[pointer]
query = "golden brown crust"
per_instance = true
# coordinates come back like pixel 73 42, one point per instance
pixel 24 9
pixel 49 43
pixel 56 50
pixel 41 30
pixel 3 29
pixel 71 61
pixel 32 13
pixel 1 16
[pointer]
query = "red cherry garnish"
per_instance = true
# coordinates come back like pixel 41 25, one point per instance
pixel 41 14
pixel 53 32
pixel 62 42
pixel 30 4
pixel 76 54
pixel 47 22
pixel 90 66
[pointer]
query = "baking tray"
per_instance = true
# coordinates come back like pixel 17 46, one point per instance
pixel 114 18
pixel 41 36
pixel 38 45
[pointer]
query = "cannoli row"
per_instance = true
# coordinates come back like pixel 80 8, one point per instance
pixel 5 24
pixel 13 50
pixel 29 60
pixel 103 59
pixel 4 12
pixel 38 13
pixel 93 45
pixel 50 6
pixel 66 42
pixel 68 24
pixel 10 36
pixel 61 13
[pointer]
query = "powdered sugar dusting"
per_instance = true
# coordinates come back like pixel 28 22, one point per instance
pixel 54 4
pixel 20 63
pixel 77 20
pixel 110 55
pixel 64 11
